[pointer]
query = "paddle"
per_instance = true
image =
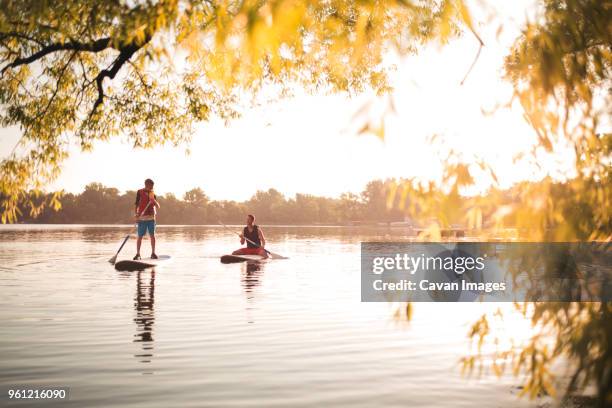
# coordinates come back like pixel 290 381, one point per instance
pixel 114 258
pixel 272 254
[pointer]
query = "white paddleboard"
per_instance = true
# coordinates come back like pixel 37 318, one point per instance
pixel 144 263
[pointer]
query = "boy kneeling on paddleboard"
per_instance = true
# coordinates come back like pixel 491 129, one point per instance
pixel 254 238
pixel 146 206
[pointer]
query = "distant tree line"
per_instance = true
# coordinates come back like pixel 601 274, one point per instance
pixel 99 204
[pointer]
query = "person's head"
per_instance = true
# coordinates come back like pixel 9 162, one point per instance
pixel 250 219
pixel 149 184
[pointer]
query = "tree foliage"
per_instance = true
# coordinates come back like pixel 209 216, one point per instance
pixel 560 68
pixel 74 73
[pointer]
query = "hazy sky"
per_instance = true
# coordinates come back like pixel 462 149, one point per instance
pixel 308 144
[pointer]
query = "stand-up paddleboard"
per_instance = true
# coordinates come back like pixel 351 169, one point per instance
pixel 144 263
pixel 241 258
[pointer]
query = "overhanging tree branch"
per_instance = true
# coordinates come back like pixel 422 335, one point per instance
pixel 124 56
pixel 481 44
pixel 95 46
pixel 125 53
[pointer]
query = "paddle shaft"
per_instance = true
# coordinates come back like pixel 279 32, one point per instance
pixel 248 240
pixel 122 244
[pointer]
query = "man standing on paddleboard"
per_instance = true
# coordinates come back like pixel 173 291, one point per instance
pixel 144 212
pixel 254 238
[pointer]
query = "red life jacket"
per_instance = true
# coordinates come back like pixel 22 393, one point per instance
pixel 252 236
pixel 143 200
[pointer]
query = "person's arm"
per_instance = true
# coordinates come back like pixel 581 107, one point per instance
pixel 155 202
pixel 261 237
pixel 242 240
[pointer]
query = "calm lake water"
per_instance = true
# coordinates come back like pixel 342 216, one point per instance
pixel 196 332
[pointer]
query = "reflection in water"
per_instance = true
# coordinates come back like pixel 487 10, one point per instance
pixel 250 280
pixel 251 277
pixel 143 304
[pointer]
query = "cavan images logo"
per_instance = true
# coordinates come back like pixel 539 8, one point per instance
pixel 487 271
pixel 427 272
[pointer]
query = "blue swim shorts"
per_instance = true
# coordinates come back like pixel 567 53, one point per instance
pixel 144 226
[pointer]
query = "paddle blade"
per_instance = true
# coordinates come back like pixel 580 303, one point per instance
pixel 276 256
pixel 114 258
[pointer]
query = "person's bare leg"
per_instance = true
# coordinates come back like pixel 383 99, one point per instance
pixel 138 243
pixel 152 244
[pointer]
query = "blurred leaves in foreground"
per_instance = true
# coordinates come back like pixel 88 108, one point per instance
pixel 560 67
